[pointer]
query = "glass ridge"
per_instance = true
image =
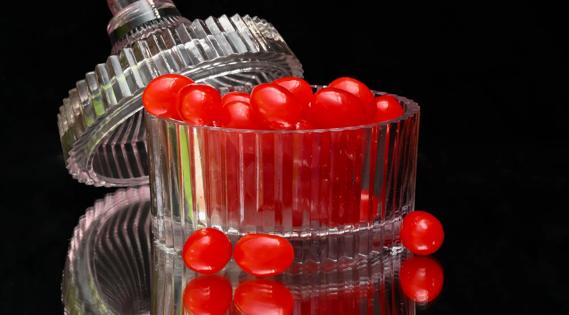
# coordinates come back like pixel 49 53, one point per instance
pixel 100 124
pixel 108 265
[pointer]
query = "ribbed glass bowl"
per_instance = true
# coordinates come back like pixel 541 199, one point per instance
pixel 337 194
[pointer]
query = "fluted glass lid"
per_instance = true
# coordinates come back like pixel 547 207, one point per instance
pixel 100 122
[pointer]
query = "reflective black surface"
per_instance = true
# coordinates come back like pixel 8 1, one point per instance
pixel 110 270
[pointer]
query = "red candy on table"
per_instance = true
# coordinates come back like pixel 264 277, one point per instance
pixel 263 254
pixel 239 114
pixel 263 297
pixel 334 108
pixel 207 295
pixel 277 107
pixel 199 104
pixel 298 87
pixel 160 96
pixel 388 107
pixel 207 251
pixel 357 89
pixel 421 279
pixel 235 96
pixel 421 233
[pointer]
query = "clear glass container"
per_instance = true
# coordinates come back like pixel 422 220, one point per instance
pixel 337 194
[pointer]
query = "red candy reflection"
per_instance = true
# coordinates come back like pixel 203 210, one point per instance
pixel 421 279
pixel 209 295
pixel 355 300
pixel 263 297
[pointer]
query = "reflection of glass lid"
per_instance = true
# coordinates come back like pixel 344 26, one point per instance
pixel 111 268
pixel 100 123
pixel 108 269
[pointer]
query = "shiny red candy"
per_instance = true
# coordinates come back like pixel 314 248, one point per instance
pixel 207 295
pixel 199 104
pixel 207 251
pixel 421 233
pixel 160 96
pixel 235 96
pixel 388 107
pixel 304 124
pixel 263 254
pixel 357 89
pixel 421 279
pixel 298 87
pixel 263 297
pixel 239 114
pixel 334 108
pixel 277 107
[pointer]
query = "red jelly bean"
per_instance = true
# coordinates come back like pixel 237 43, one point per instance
pixel 303 124
pixel 207 251
pixel 199 104
pixel 263 297
pixel 207 295
pixel 421 233
pixel 298 87
pixel 160 96
pixel 357 89
pixel 421 279
pixel 239 114
pixel 263 254
pixel 235 96
pixel 333 108
pixel 388 107
pixel 277 107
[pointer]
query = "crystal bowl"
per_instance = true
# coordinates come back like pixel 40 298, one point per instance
pixel 337 194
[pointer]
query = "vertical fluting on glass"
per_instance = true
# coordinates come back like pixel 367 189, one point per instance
pixel 108 264
pixel 338 193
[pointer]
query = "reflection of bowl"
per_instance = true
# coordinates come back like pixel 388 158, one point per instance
pixel 371 288
pixel 336 194
pixel 109 270
pixel 108 264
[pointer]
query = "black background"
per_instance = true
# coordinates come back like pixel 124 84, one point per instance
pixel 492 82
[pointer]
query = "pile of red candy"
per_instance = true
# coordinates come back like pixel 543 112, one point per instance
pixel 288 103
